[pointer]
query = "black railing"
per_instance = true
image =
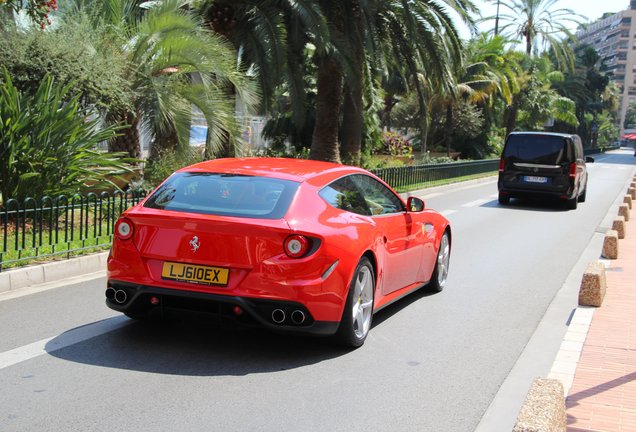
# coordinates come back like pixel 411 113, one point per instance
pixel 423 176
pixel 60 226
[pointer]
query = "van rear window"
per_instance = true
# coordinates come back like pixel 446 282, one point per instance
pixel 224 194
pixel 536 149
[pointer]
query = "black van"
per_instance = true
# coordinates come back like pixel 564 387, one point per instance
pixel 543 165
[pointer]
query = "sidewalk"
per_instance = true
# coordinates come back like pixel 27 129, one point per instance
pixel 602 394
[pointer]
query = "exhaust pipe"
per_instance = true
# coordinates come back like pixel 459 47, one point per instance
pixel 298 317
pixel 121 296
pixel 278 316
pixel 110 293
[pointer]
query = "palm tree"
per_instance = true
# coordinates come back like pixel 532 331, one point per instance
pixel 537 22
pixel 418 36
pixel 270 37
pixel 174 64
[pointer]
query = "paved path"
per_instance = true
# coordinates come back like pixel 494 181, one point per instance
pixel 602 396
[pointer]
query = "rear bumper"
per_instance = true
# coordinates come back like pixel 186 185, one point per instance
pixel 519 190
pixel 142 300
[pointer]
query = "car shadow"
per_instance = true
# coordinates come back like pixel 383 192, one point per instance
pixel 199 345
pixel 194 346
pixel 525 204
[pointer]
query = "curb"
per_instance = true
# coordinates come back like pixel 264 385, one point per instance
pixel 23 277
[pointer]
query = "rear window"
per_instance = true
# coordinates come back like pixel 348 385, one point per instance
pixel 224 194
pixel 537 149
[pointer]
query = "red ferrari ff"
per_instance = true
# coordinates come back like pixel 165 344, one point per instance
pixel 293 245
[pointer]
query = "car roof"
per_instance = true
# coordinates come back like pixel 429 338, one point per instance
pixel 557 134
pixel 298 170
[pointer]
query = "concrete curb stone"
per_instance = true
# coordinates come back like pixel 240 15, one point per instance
pixel 23 277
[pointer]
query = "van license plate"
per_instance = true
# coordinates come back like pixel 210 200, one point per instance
pixel 197 274
pixel 534 179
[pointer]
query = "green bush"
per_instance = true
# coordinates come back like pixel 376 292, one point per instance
pixel 49 147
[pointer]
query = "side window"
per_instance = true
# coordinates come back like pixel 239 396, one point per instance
pixel 345 195
pixel 379 198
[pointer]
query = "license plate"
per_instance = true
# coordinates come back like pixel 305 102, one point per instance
pixel 197 274
pixel 534 179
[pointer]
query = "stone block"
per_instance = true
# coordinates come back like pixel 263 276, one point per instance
pixel 623 210
pixel 544 408
pixel 628 200
pixel 632 191
pixel 618 225
pixel 593 285
pixel 610 245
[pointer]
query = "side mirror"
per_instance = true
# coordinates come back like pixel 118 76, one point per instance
pixel 589 159
pixel 415 204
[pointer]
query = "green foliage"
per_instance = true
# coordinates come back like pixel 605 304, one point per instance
pixel 630 116
pixel 167 162
pixel 48 146
pixel 74 53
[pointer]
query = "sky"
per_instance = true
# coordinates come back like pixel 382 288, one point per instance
pixel 591 9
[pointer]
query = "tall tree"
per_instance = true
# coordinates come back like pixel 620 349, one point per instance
pixel 540 23
pixel 174 64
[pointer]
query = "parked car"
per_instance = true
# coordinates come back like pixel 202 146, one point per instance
pixel 543 165
pixel 292 245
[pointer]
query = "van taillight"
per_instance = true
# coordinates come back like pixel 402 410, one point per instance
pixel 501 165
pixel 573 170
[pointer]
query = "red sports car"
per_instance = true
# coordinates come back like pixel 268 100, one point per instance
pixel 293 245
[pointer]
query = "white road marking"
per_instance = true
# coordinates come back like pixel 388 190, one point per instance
pixel 475 203
pixel 447 212
pixel 66 339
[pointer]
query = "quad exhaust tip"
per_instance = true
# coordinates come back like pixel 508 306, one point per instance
pixel 121 296
pixel 298 317
pixel 110 293
pixel 278 316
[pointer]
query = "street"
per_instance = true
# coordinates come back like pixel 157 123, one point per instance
pixel 432 362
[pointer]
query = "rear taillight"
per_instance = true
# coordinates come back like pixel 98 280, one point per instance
pixel 573 170
pixel 296 246
pixel 124 229
pixel 501 165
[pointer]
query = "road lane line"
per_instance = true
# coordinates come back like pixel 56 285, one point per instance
pixel 447 212
pixel 476 203
pixel 64 340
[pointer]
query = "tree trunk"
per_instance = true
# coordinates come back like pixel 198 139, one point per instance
pixel 324 145
pixel 129 140
pixel 166 142
pixel 352 120
pixel 510 115
pixel 448 128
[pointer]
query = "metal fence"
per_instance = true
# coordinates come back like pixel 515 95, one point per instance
pixel 60 226
pixel 423 176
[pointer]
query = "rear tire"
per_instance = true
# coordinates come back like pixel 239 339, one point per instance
pixel 440 274
pixel 583 195
pixel 358 311
pixel 504 199
pixel 572 203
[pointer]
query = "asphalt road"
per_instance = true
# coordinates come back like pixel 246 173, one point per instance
pixel 430 363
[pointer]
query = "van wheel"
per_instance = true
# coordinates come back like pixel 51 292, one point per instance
pixel 572 203
pixel 583 195
pixel 504 199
